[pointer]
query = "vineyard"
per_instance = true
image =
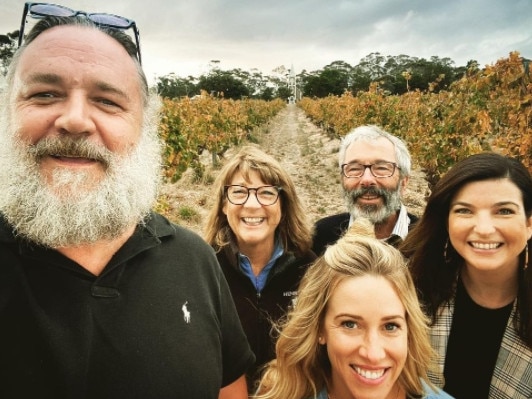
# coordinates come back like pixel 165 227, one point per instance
pixel 206 123
pixel 489 109
pixel 486 110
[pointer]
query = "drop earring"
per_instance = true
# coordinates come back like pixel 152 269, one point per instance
pixel 525 266
pixel 446 258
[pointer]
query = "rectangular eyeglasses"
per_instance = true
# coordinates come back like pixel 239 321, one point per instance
pixel 41 10
pixel 378 169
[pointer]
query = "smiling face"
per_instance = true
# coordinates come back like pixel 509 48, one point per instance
pixel 76 83
pixel 76 148
pixel 368 196
pixel 252 224
pixel 488 226
pixel 366 337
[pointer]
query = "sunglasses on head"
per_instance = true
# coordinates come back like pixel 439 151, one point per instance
pixel 41 10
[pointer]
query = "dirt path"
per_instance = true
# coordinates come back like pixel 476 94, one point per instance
pixel 306 153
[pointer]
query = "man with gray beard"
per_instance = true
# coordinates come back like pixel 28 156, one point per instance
pixel 100 297
pixel 374 168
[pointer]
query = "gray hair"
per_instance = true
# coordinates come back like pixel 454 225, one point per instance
pixel 49 22
pixel 371 133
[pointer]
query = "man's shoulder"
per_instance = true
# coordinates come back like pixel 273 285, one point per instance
pixel 413 219
pixel 172 244
pixel 327 230
pixel 160 226
pixel 175 237
pixel 332 220
pixel 6 230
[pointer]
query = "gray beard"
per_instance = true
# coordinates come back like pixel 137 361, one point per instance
pixel 375 214
pixel 66 212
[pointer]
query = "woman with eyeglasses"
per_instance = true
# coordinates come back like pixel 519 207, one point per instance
pixel 259 230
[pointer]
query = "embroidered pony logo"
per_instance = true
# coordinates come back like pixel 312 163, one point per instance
pixel 186 313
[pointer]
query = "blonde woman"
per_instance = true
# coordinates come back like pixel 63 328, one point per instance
pixel 357 330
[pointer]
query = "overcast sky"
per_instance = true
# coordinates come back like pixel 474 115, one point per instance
pixel 183 36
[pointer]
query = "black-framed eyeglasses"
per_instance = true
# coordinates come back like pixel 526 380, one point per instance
pixel 238 195
pixel 378 169
pixel 41 10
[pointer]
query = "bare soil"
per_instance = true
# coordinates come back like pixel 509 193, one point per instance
pixel 307 154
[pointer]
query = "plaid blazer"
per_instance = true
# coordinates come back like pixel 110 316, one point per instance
pixel 512 377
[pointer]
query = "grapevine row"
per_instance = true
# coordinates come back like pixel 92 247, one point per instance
pixel 487 110
pixel 207 123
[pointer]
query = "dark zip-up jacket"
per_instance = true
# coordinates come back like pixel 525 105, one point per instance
pixel 257 310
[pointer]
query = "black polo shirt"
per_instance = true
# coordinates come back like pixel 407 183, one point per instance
pixel 159 321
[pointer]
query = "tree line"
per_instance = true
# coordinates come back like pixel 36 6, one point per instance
pixel 394 74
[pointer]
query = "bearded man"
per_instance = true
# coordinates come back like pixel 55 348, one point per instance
pixel 374 168
pixel 100 297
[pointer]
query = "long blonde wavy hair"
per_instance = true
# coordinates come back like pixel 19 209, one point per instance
pixel 301 368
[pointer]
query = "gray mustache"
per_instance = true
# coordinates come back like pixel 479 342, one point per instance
pixel 69 147
pixel 354 194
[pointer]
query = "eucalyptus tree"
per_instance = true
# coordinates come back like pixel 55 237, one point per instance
pixel 8 45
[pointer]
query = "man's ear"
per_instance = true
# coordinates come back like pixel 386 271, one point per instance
pixel 404 183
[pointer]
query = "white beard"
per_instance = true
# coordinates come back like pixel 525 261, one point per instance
pixel 64 212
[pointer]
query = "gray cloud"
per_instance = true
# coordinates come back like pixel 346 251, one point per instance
pixel 183 37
